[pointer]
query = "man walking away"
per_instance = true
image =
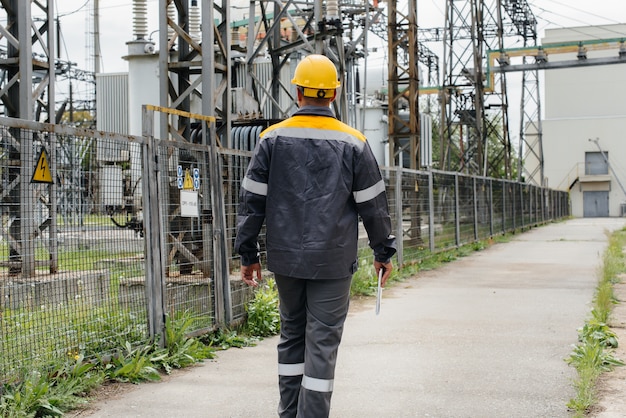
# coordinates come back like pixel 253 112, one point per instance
pixel 310 178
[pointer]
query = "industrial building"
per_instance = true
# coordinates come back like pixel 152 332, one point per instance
pixel 584 146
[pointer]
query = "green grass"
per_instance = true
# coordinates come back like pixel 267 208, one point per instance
pixel 55 331
pixel 593 355
pixel 56 387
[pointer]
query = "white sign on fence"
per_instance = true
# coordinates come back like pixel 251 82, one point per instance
pixel 189 204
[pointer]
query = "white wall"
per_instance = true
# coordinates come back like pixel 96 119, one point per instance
pixel 585 91
pixel 565 143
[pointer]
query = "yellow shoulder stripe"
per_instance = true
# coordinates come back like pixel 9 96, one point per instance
pixel 315 122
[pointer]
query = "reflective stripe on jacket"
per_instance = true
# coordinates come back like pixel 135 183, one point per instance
pixel 310 178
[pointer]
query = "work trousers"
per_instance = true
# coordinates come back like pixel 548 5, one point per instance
pixel 312 314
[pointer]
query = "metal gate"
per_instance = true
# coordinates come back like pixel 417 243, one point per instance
pixel 188 243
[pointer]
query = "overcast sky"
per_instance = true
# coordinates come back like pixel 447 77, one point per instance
pixel 116 22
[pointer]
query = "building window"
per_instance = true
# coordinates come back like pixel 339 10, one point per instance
pixel 596 163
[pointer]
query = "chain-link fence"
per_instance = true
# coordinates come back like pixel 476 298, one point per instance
pixel 104 236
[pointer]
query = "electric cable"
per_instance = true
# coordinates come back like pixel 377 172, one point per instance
pixel 550 23
pixel 72 12
pixel 569 6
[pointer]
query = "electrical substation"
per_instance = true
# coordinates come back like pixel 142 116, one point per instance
pixel 145 166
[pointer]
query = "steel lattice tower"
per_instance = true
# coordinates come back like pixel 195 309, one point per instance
pixel 475 104
pixel 289 30
pixel 27 86
pixel 530 129
pixel 463 96
pixel 191 71
pixel 28 48
pixel 403 82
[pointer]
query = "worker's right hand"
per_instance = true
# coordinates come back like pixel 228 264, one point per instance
pixel 386 268
pixel 251 275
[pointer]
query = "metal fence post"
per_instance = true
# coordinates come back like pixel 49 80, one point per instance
pixel 53 234
pixel 554 204
pixel 548 204
pixel 541 198
pixel 529 195
pixel 431 211
pixel 521 204
pixel 399 227
pixel 514 206
pixel 475 205
pixel 26 221
pixel 457 211
pixel 504 211
pixel 532 203
pixel 491 207
pixel 223 303
pixel 537 205
pixel 154 241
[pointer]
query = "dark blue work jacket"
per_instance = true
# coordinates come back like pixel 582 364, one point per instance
pixel 310 178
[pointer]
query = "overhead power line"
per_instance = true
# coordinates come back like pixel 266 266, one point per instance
pixel 74 11
pixel 569 6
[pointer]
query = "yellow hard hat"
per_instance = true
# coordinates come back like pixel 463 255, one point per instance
pixel 317 75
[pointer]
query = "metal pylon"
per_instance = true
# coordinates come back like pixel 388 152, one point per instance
pixel 194 52
pixel 530 128
pixel 462 89
pixel 27 85
pixel 279 36
pixel 403 83
pixel 474 126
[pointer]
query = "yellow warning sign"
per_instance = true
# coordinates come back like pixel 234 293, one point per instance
pixel 188 183
pixel 42 173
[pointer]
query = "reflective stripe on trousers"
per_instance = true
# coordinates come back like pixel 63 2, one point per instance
pixel 312 315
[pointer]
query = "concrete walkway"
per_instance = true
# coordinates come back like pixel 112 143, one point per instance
pixel 484 336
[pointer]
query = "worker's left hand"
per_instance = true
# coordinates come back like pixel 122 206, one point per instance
pixel 386 267
pixel 251 275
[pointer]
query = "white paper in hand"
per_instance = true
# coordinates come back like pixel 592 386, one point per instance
pixel 379 292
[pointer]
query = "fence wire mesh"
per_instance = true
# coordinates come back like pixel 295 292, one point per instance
pixel 444 214
pixel 64 259
pixel 189 280
pixel 235 164
pixel 73 269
